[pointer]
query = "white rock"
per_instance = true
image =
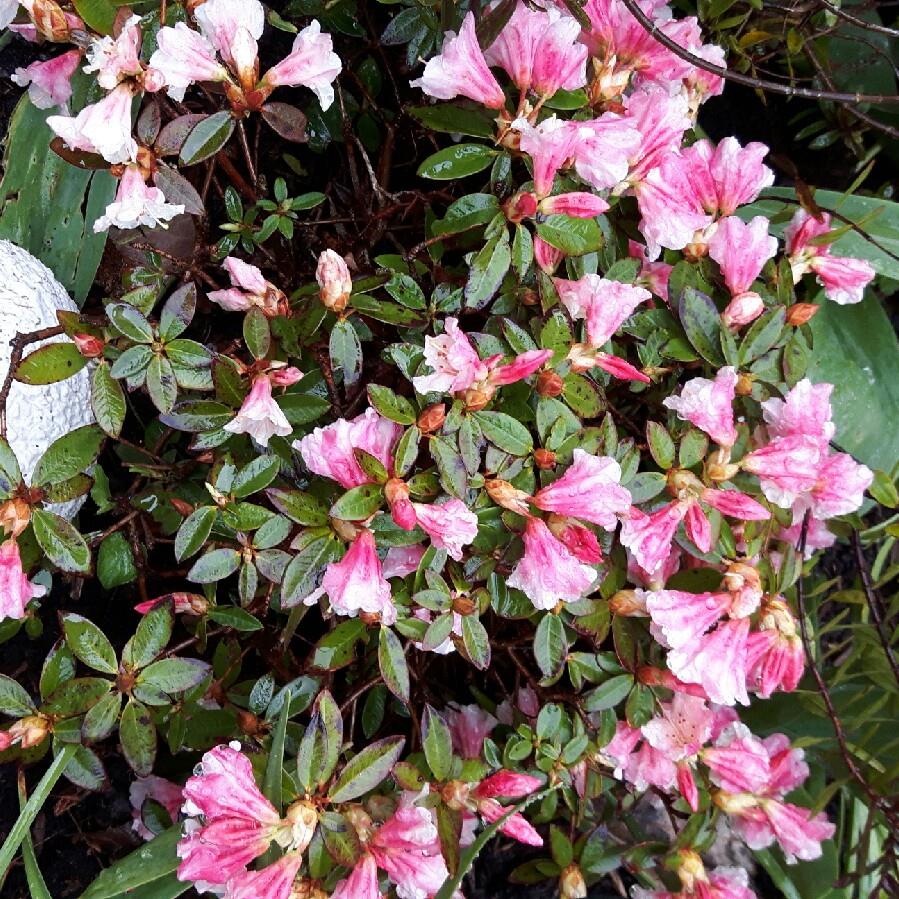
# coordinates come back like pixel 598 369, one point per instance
pixel 37 415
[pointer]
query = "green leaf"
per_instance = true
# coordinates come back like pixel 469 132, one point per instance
pixel 138 736
pixel 505 432
pixel 69 455
pixel 359 503
pixel 320 746
pixel 452 119
pixel 660 444
pixel 49 205
pixel 255 475
pixel 89 643
pixel 762 335
pixel 101 718
pixel 392 662
pixel 76 696
pixel 299 507
pixel 856 351
pixel 207 137
pixel 301 408
pixel 406 451
pixel 14 699
pixel 346 351
pixel 161 383
pixel 274 768
pixel 405 291
pixel 487 271
pixel 115 561
pixel 98 14
pixel 10 475
pixel 214 566
pixel 130 322
pixel 49 364
pixel 151 637
pixel 178 311
pixel 107 400
pixel 476 642
pixel 700 318
pixel 61 543
pixel 257 334
pixel 236 618
pixel 198 415
pixel 550 644
pixel 573 236
pixel 437 743
pixel 133 361
pixel 391 405
pixel 608 694
pixel 151 865
pixel 457 161
pixel 174 675
pixel 302 574
pixel 367 770
pixel 337 648
pixel 450 465
pixel 465 213
pixel 194 532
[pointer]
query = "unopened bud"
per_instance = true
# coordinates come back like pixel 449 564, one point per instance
pixel 571 883
pixel 742 309
pixel 545 459
pixel 248 723
pixel 49 20
pixel 507 496
pixel 464 605
pixel 520 206
pixel 89 346
pixel 30 731
pixel 455 794
pixel 15 514
pixel 546 255
pixel 549 384
pixel 285 377
pixel 628 604
pixel 528 297
pixel 396 493
pixel 745 380
pixel 690 870
pixel 800 313
pixel 476 398
pixel 181 506
pixel 432 418
pixel 334 281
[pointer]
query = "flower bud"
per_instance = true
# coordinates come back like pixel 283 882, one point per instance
pixel 684 484
pixel 546 255
pixel 743 387
pixel 464 605
pixel 520 206
pixel 49 20
pixel 15 514
pixel 396 493
pixel 181 506
pixel 800 313
pixel 628 604
pixel 302 818
pixel 690 870
pixel 572 884
pixel 285 377
pixel 432 418
pixel 742 309
pixel 549 384
pixel 248 723
pixel 455 794
pixel 476 398
pixel 545 459
pixel 528 297
pixel 29 731
pixel 89 346
pixel 507 496
pixel 334 281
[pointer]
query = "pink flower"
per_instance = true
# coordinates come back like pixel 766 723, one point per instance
pixel 514 786
pixel 682 728
pixel 249 288
pixel 605 305
pixel 157 789
pixel 509 784
pixel 184 604
pixel 738 762
pixel 469 726
pixel 454 359
pixel 539 51
pixel 551 146
pixel 735 504
pixel 362 882
pixel 449 523
pixel 521 367
pixel 238 822
pixel 649 537
pixel 709 405
pixel 653 275
pixel 546 255
pixel 137 204
pixel 334 280
pixel 16 591
pixel 660 120
pixel 717 661
pixel 840 487
pixel 804 412
pixel 232 27
pixel 776 661
pixel 818 535
pixel 115 59
pixel 720 883
pixel 787 467
pixel 461 70
pixel 727 176
pixel 590 490
pixel 184 56
pixel 260 416
pixel 103 127
pixel 548 572
pixel 328 451
pixel 702 84
pixel 49 82
pixel 356 583
pixel 604 149
pixel 682 618
pixel 275 881
pixel 741 250
pixel 581 541
pixel 402 560
pixel 577 204
pixel 311 63
pixel 843 279
pixel 637 761
pixel 763 821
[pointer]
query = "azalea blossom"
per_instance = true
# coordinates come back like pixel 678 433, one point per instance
pixel 648 536
pixel 16 591
pixel 843 278
pixel 249 288
pixel 449 523
pixel 116 59
pixel 469 726
pixel 137 205
pixel 329 452
pixel 719 883
pixel 805 411
pixel 103 127
pixel 356 583
pixel 156 789
pixel 185 56
pixel 604 305
pixel 709 405
pixel 512 786
pixel 539 51
pixel 787 468
pixel 548 572
pixel 260 416
pixel 461 70
pixel 311 63
pixel 49 82
pixel 334 280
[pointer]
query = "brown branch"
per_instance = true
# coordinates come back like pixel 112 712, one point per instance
pixel 861 23
pixel 18 344
pixel 789 90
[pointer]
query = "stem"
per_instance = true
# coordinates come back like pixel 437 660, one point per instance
pixel 34 805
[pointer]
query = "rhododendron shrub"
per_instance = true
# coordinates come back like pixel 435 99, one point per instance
pixel 484 513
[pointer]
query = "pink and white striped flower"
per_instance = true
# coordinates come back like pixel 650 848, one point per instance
pixel 260 416
pixel 49 82
pixel 708 404
pixel 137 205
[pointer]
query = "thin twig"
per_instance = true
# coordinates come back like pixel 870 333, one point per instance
pixel 18 344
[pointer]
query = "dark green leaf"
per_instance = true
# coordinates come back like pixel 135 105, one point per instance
pixel 367 770
pixel 392 663
pixel 69 455
pixel 457 161
pixel 61 543
pixel 207 137
pixel 50 364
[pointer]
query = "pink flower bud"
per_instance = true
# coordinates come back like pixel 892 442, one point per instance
pixel 742 309
pixel 334 281
pixel 577 204
pixel 89 346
